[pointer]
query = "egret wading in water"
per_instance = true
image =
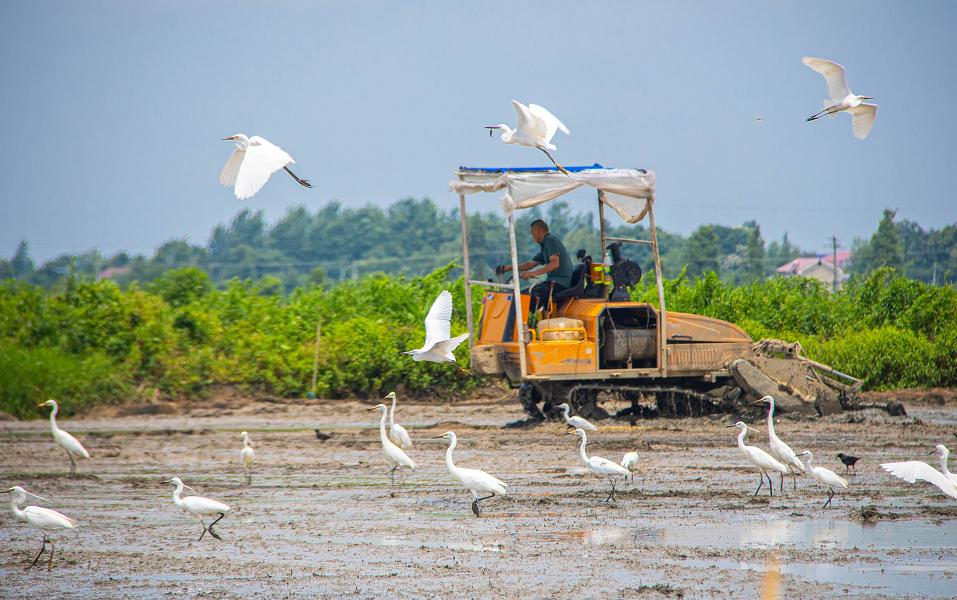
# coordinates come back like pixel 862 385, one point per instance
pixel 842 99
pixel 576 421
pixel 396 456
pixel 247 455
pixel 44 519
pixel 479 482
pixel 630 460
pixel 825 477
pixel 536 128
pixel 64 439
pixel 779 450
pixel 761 460
pixel 912 470
pixel 599 465
pixel 397 433
pixel 439 342
pixel 199 506
pixel 252 163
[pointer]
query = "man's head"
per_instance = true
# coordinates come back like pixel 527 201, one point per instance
pixel 539 230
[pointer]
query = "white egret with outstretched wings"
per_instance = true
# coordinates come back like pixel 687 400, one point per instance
pixel 841 98
pixel 536 128
pixel 439 343
pixel 913 470
pixel 252 163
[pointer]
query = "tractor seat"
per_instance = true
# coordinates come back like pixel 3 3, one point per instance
pixel 579 279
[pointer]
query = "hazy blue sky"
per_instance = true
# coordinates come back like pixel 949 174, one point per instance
pixel 113 111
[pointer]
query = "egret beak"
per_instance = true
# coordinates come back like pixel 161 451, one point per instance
pixel 188 488
pixel 230 138
pixel 438 437
pixel 931 453
pixel 726 426
pixel 490 129
pixel 869 97
pixel 42 404
pixel 35 496
pixel 752 429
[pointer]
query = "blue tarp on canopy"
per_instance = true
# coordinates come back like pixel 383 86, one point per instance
pixel 527 169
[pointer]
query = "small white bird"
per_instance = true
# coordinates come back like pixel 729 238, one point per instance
pixel 397 433
pixel 246 456
pixel 396 456
pixel 912 470
pixel 629 460
pixel 44 519
pixel 576 421
pixel 825 477
pixel 252 163
pixel 779 449
pixel 478 481
pixel 761 460
pixel 842 99
pixel 199 506
pixel 439 342
pixel 536 128
pixel 601 466
pixel 64 439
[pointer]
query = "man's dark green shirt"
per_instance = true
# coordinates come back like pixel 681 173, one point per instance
pixel 551 246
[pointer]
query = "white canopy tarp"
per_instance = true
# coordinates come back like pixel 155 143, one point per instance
pixel 626 191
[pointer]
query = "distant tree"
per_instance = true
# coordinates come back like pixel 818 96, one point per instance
pixel 885 245
pixel 179 287
pixel 22 264
pixel 754 267
pixel 703 251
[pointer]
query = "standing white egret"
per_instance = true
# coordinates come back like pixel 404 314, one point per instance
pixel 779 449
pixel 842 99
pixel 252 163
pixel 629 460
pixel 576 421
pixel 761 460
pixel 536 128
pixel 912 470
pixel 64 439
pixel 247 455
pixel 396 456
pixel 199 506
pixel 478 481
pixel 44 519
pixel 439 342
pixel 397 433
pixel 825 477
pixel 601 466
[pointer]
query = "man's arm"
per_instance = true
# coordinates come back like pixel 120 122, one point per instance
pixel 553 263
pixel 525 266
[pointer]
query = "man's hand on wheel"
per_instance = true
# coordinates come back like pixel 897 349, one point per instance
pixel 526 275
pixel 500 269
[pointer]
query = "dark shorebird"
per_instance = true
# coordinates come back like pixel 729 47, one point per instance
pixel 848 461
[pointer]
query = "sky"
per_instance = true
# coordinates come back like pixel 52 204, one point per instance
pixel 113 111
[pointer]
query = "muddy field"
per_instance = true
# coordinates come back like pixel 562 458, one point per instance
pixel 318 519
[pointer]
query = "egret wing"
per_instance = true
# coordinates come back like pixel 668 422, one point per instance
pixel 834 75
pixel 863 117
pixel 45 518
pixel 608 465
pixel 913 470
pixel 262 160
pixel 231 169
pixel 552 124
pixel 529 123
pixel 438 323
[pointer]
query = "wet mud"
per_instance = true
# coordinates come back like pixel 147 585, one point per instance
pixel 319 520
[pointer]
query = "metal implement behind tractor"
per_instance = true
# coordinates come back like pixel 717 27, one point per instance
pixel 592 342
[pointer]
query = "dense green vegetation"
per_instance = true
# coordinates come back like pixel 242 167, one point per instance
pixel 86 342
pixel 337 243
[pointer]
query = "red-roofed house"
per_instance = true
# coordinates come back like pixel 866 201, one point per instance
pixel 818 267
pixel 111 272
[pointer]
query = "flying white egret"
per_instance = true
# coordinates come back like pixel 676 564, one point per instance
pixel 252 163
pixel 825 477
pixel 397 433
pixel 629 460
pixel 912 470
pixel 247 455
pixel 64 439
pixel 199 506
pixel 536 128
pixel 396 456
pixel 439 342
pixel 576 421
pixel 779 449
pixel 44 519
pixel 601 466
pixel 761 460
pixel 842 99
pixel 478 481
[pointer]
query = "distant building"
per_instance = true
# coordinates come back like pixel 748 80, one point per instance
pixel 111 272
pixel 818 267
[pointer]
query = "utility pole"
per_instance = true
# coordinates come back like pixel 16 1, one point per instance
pixel 834 262
pixel 935 272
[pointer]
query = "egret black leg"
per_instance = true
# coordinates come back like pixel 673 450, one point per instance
pixel 552 158
pixel 249 477
pixel 611 494
pixel 770 485
pixel 302 182
pixel 50 562
pixel 475 504
pixel 392 480
pixel 826 504
pixel 204 530
pixel 781 489
pixel 795 482
pixel 72 463
pixel 39 554
pixel 761 475
pixel 210 528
